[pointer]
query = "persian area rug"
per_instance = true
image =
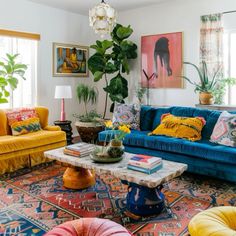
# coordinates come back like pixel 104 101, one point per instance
pixel 33 203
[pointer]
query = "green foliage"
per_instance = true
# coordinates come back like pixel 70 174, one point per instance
pixel 91 116
pixel 10 72
pixel 112 56
pixel 86 94
pixel 220 90
pixel 140 92
pixel 206 84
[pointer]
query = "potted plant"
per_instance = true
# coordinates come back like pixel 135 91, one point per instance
pixel 88 124
pixel 112 57
pixel 10 72
pixel 206 86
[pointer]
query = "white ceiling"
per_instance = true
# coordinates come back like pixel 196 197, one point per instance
pixel 82 6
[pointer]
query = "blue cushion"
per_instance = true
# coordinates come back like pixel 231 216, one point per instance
pixel 146 117
pixel 202 149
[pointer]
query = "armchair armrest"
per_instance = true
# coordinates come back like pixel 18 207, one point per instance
pixel 52 128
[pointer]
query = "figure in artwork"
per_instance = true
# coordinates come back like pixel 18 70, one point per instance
pixel 162 52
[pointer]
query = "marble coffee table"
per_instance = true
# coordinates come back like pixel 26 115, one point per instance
pixel 144 195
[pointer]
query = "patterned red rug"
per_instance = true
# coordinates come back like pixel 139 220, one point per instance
pixel 33 203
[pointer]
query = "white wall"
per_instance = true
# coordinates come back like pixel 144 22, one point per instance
pixel 54 26
pixel 172 16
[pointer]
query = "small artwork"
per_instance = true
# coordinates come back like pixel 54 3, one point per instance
pixel 70 60
pixel 162 61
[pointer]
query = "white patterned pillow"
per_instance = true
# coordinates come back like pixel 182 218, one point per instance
pixel 224 131
pixel 128 114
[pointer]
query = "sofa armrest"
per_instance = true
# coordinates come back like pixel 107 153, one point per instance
pixel 52 128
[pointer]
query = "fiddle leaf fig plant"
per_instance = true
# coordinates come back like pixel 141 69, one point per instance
pixel 112 57
pixel 10 72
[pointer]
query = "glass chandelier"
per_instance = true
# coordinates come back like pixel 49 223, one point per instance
pixel 102 18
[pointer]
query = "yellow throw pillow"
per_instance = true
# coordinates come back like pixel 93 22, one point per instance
pixel 25 126
pixel 180 127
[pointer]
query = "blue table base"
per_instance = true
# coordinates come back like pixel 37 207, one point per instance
pixel 144 201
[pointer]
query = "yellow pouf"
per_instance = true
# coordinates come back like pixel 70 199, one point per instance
pixel 217 221
pixel 78 178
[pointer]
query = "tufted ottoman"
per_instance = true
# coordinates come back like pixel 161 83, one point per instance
pixel 89 227
pixel 217 221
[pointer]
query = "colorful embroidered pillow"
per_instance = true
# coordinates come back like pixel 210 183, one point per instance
pixel 127 114
pixel 180 127
pixel 224 131
pixel 26 126
pixel 20 115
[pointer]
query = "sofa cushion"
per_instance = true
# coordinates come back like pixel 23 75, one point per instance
pixel 201 149
pixel 10 143
pixel 225 130
pixel 146 117
pixel 180 127
pixel 25 126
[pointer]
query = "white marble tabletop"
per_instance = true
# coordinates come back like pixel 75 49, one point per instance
pixel 169 170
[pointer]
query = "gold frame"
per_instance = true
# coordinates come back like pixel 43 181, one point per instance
pixel 69 74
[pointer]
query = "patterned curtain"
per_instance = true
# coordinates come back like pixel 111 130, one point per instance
pixel 211 42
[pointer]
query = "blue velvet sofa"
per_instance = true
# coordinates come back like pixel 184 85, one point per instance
pixel 202 157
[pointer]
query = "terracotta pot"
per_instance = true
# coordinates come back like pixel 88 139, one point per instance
pixel 206 98
pixel 88 131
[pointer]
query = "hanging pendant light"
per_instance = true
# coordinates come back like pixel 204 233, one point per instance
pixel 102 18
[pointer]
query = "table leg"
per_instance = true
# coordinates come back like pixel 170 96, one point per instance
pixel 144 201
pixel 78 178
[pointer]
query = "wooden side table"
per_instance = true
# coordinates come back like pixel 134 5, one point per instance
pixel 66 127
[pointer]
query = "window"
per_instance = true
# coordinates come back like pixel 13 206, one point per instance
pixel 25 94
pixel 230 55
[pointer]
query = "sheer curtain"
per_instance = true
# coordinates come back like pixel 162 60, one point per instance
pixel 25 94
pixel 211 42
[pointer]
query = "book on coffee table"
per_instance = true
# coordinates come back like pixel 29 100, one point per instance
pixel 79 149
pixel 145 170
pixel 145 161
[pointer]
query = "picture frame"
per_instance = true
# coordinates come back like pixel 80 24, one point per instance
pixel 162 60
pixel 70 60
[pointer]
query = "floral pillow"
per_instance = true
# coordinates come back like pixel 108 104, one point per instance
pixel 224 131
pixel 21 114
pixel 128 114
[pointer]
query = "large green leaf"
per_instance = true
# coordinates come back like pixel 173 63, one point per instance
pixel 124 32
pixel 12 82
pixel 96 63
pixel 3 100
pixel 98 75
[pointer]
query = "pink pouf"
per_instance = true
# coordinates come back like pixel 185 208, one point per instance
pixel 89 227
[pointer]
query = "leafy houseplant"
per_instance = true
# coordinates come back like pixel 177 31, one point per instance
pixel 88 125
pixel 112 57
pixel 207 85
pixel 220 90
pixel 140 92
pixel 10 72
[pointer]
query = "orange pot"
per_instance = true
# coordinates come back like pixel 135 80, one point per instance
pixel 206 98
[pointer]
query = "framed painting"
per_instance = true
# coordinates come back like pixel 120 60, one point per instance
pixel 70 60
pixel 162 60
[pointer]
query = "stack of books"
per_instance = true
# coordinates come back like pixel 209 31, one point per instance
pixel 144 163
pixel 79 149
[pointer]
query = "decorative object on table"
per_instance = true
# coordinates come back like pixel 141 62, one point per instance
pixel 224 131
pixel 207 85
pixel 79 149
pixel 145 164
pixel 180 127
pixel 162 55
pixel 128 114
pixel 63 92
pixel 66 127
pixel 148 78
pixel 113 57
pixel 70 60
pixel 10 73
pixel 102 18
pixel 89 124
